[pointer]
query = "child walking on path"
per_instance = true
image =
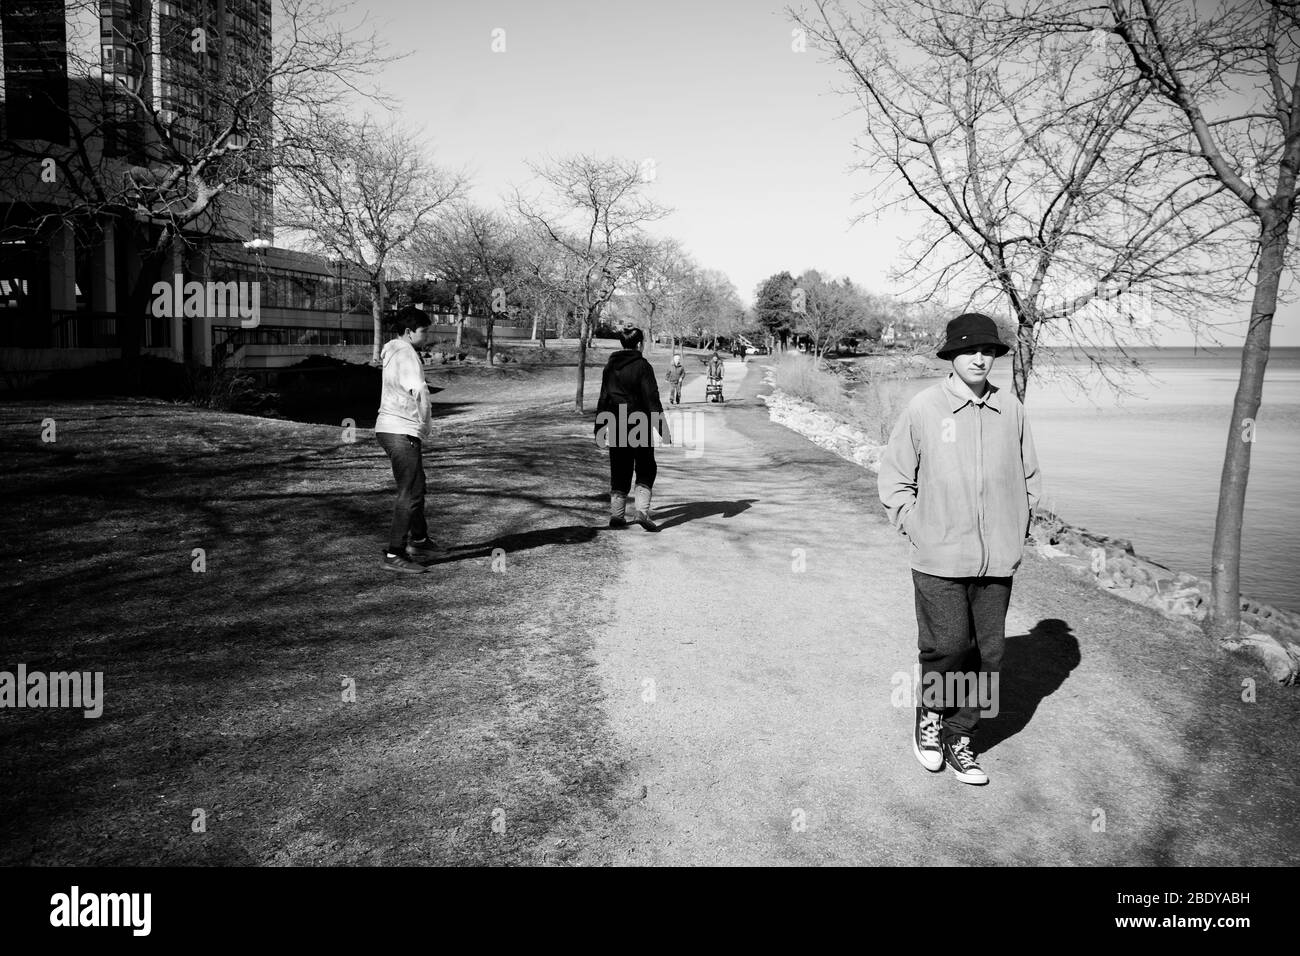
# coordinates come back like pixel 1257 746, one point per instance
pixel 628 414
pixel 404 421
pixel 960 479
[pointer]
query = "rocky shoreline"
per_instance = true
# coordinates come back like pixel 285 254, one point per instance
pixel 1270 635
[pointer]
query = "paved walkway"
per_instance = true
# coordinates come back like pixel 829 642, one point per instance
pixel 751 673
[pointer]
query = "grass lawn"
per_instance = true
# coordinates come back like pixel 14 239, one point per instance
pixel 475 701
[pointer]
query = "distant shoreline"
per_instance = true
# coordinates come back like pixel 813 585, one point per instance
pixel 1289 352
pixel 1130 575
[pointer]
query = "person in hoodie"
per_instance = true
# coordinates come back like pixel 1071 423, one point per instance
pixel 960 480
pixel 628 414
pixel 404 422
pixel 676 374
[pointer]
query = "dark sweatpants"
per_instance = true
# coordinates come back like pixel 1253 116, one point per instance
pixel 622 462
pixel 961 628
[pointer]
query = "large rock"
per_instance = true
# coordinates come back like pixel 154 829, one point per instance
pixel 1268 651
pixel 1141 593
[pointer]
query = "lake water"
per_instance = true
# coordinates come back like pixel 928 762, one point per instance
pixel 1146 465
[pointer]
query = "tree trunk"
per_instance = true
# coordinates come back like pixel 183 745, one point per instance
pixel 1225 559
pixel 582 364
pixel 534 336
pixel 1022 356
pixel 491 319
pixel 377 291
pixel 132 312
pixel 131 315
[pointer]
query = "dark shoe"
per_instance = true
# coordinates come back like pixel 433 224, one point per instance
pixel 395 562
pixel 618 522
pixel 421 549
pixel 925 740
pixel 644 521
pixel 957 755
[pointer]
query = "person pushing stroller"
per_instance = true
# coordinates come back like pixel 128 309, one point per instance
pixel 713 390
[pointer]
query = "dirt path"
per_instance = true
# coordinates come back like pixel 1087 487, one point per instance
pixel 753 700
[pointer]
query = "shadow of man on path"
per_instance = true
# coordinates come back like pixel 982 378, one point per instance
pixel 691 510
pixel 1034 666
pixel 522 541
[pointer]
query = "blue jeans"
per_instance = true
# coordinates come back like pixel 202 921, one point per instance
pixel 408 471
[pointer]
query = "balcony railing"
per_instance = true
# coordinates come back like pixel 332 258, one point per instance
pixel 62 329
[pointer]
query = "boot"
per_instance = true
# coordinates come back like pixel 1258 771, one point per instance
pixel 617 509
pixel 642 501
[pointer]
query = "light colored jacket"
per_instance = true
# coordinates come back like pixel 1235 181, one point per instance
pixel 400 392
pixel 959 479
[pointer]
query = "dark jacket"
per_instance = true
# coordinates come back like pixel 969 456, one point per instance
pixel 628 385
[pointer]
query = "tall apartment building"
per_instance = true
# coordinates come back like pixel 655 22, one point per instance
pixel 85 87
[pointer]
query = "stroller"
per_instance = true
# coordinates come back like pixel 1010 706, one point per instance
pixel 713 388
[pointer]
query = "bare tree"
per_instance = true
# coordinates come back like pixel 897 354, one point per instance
pixel 590 216
pixel 677 312
pixel 1020 150
pixel 161 164
pixel 1232 76
pixel 360 194
pixel 661 270
pixel 538 265
pixel 480 251
pixel 713 305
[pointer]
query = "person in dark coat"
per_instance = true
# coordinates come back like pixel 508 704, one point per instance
pixel 628 414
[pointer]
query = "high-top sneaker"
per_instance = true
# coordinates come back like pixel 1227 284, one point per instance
pixel 957 755
pixel 925 740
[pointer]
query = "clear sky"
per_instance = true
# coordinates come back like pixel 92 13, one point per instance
pixel 750 146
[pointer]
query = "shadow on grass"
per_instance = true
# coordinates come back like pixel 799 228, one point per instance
pixel 521 541
pixel 1034 666
pixel 224 689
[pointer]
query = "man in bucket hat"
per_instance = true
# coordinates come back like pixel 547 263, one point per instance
pixel 960 480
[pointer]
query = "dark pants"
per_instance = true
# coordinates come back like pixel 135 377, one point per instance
pixel 622 462
pixel 961 630
pixel 408 470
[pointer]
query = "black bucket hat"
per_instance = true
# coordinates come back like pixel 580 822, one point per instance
pixel 970 329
